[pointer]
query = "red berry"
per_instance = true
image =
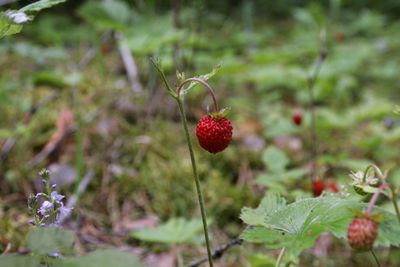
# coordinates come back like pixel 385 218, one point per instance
pixel 318 186
pixel 362 233
pixel 297 118
pixel 332 186
pixel 214 133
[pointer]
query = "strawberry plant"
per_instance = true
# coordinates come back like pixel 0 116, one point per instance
pixel 296 226
pixel 214 133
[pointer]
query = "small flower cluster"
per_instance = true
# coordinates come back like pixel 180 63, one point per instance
pixel 47 207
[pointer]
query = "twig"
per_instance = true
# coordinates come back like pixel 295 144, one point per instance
pixel 280 257
pixel 217 253
pixel 129 63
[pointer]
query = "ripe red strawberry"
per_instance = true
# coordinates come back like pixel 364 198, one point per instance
pixel 318 186
pixel 332 186
pixel 214 133
pixel 297 118
pixel 362 233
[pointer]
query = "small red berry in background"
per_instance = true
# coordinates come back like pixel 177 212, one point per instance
pixel 318 187
pixel 362 233
pixel 214 133
pixel 339 37
pixel 106 49
pixel 297 117
pixel 332 186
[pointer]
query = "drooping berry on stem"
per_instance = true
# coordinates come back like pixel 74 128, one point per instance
pixel 362 233
pixel 214 133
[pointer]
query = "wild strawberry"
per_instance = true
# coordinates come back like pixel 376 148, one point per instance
pixel 297 118
pixel 318 187
pixel 362 232
pixel 214 132
pixel 332 186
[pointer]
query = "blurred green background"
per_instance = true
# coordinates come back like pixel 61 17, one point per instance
pixel 78 95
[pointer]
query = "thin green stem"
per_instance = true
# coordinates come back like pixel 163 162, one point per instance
pixel 394 201
pixel 197 181
pixel 376 258
pixel 280 257
pixel 313 126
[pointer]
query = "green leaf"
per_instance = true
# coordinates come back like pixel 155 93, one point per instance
pixel 297 225
pixel 106 14
pixel 42 4
pixel 10 26
pixel 175 231
pixel 275 159
pixel 102 258
pixel 286 176
pixel 7 26
pixel 261 260
pixel 44 241
pixel 269 205
pixel 19 261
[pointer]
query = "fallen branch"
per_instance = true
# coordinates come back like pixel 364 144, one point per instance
pixel 217 253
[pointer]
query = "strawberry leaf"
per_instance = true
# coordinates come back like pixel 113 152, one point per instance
pixel 296 226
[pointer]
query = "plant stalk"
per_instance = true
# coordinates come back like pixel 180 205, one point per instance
pixel 280 257
pixel 375 198
pixel 394 201
pixel 197 180
pixel 376 258
pixel 313 126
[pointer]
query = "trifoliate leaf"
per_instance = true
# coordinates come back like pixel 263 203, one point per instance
pixel 297 225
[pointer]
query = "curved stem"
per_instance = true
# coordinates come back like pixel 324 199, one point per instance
pixel 366 173
pixel 196 178
pixel 179 89
pixel 280 257
pixel 375 197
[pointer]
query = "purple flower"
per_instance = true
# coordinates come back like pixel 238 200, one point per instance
pixel 46 206
pixel 56 196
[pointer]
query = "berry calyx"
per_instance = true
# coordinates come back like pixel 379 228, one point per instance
pixel 362 232
pixel 214 132
pixel 297 118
